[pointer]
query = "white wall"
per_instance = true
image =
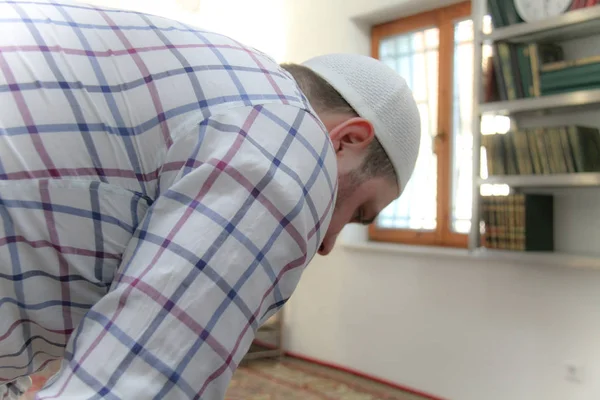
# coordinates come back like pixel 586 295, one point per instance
pixel 315 27
pixel 257 23
pixel 449 325
pixel 452 327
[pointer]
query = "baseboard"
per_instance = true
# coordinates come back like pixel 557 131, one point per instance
pixel 351 371
pixel 362 375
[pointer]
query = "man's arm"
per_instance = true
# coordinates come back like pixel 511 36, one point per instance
pixel 220 250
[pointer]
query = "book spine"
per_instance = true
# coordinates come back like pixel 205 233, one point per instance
pixel 526 152
pixel 557 151
pixel 516 70
pixel 520 230
pixel 512 223
pixel 561 65
pixel 502 232
pixel 499 73
pixel 535 70
pixel 539 222
pixel 576 148
pixel 521 166
pixel 485 208
pixel 493 227
pixel 507 71
pixel 541 148
pixel 496 14
pixel 510 12
pixel 535 154
pixel 525 66
pixel 588 139
pixel 566 148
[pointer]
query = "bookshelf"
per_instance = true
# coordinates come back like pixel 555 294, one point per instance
pixel 539 258
pixel 584 179
pixel 575 24
pixel 571 25
pixel 550 103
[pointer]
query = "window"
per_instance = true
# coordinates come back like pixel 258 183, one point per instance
pixel 433 51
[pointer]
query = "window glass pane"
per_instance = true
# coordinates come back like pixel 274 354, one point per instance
pixel 462 135
pixel 415 58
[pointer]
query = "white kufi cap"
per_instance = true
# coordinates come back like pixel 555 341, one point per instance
pixel 380 95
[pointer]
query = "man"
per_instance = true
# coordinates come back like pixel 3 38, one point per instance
pixel 162 189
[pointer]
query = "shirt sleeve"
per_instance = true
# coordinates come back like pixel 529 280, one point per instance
pixel 245 198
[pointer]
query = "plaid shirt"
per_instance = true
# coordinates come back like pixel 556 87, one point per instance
pixel 161 190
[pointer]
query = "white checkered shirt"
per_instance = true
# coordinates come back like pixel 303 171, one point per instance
pixel 162 189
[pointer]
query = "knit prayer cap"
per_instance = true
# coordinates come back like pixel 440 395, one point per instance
pixel 380 95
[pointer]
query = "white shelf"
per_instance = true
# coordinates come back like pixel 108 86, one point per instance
pixel 539 258
pixel 551 102
pixel 570 25
pixel 587 179
pixel 481 254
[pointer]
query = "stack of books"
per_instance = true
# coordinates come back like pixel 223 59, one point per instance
pixel 567 76
pixel 520 70
pixel 526 70
pixel 537 69
pixel 549 150
pixel 521 222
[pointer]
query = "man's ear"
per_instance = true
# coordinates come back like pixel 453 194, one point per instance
pixel 353 134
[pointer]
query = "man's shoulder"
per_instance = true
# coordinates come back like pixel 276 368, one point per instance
pixel 233 67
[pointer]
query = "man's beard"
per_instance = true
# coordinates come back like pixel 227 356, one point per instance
pixel 347 185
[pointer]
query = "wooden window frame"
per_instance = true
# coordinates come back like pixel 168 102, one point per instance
pixel 444 19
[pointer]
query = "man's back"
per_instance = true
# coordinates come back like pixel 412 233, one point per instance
pixel 138 156
pixel 124 81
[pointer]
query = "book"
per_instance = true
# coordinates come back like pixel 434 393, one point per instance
pixel 503 13
pixel 520 222
pixel 543 150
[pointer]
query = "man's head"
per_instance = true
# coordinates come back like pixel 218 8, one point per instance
pixel 373 123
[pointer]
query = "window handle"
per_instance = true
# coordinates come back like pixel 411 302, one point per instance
pixel 438 139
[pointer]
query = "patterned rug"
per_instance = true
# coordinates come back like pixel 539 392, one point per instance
pixel 291 379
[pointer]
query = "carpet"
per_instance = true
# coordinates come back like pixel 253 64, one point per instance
pixel 292 379
pixel 289 379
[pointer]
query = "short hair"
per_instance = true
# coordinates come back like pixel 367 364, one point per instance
pixel 325 99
